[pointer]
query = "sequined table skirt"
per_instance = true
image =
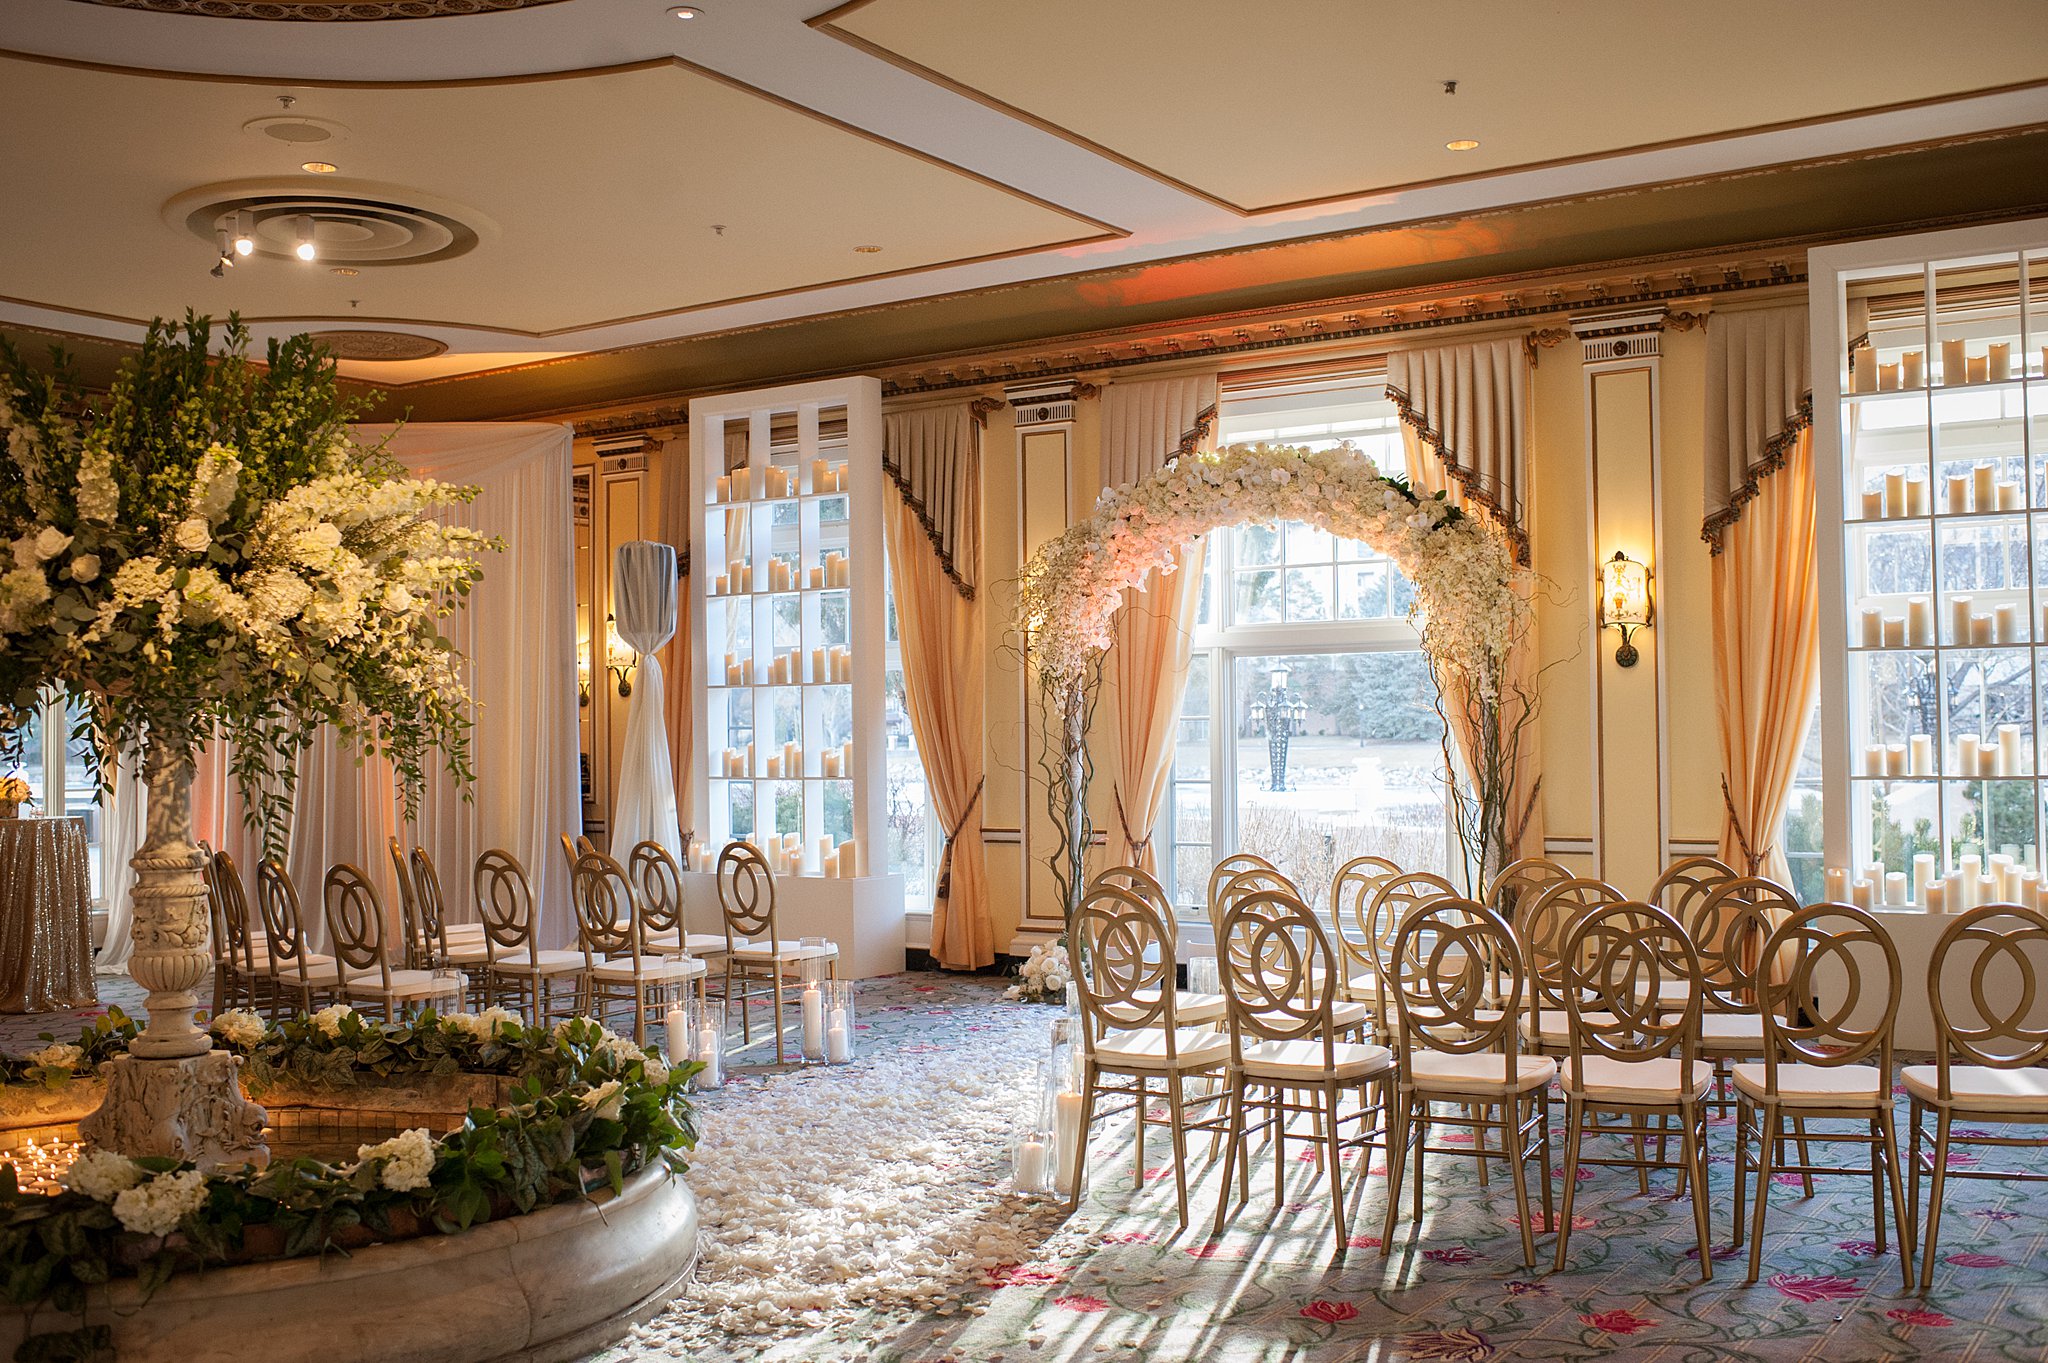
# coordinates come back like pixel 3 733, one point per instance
pixel 45 916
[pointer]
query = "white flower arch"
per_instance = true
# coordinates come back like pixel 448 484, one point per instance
pixel 1464 575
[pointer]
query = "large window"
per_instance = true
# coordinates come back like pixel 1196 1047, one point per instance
pixel 914 832
pixel 59 780
pixel 1309 732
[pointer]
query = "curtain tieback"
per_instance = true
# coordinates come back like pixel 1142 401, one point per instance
pixel 944 888
pixel 1136 844
pixel 1754 858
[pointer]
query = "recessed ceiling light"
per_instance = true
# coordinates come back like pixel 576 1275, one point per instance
pixel 319 167
pixel 344 271
pixel 868 250
pixel 1462 144
pixel 685 12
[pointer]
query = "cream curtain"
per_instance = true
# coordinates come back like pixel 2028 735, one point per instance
pixel 518 631
pixel 644 592
pixel 934 500
pixel 1468 404
pixel 674 526
pixel 1146 425
pixel 1428 474
pixel 124 833
pixel 1761 521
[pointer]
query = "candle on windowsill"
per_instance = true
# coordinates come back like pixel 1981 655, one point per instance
pixel 2011 756
pixel 1895 759
pixel 1887 378
pixel 1837 885
pixel 1919 621
pixel 1953 368
pixel 1923 875
pixel 1913 369
pixel 1916 493
pixel 1862 369
pixel 1983 487
pixel 1958 493
pixel 1873 504
pixel 2012 495
pixel 1980 368
pixel 1936 898
pixel 1982 630
pixel 2006 622
pixel 1920 759
pixel 1893 630
pixel 1959 619
pixel 1987 757
pixel 1860 893
pixel 1895 888
pixel 1966 754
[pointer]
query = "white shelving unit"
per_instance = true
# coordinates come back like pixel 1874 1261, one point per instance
pixel 1931 463
pixel 789 620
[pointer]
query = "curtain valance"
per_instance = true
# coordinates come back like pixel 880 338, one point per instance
pixel 1469 405
pixel 1150 423
pixel 1759 398
pixel 933 455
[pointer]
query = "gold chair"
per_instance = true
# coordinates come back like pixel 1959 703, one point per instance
pixel 1230 866
pixel 1996 1029
pixel 1193 1008
pixel 460 944
pixel 1728 930
pixel 512 960
pixel 1452 1047
pixel 616 964
pixel 1351 892
pixel 1544 927
pixel 297 973
pixel 1283 1043
pixel 1686 884
pixel 1131 1031
pixel 1817 1064
pixel 1631 1053
pixel 355 929
pixel 1518 883
pixel 658 881
pixel 1383 912
pixel 249 974
pixel 754 951
pixel 418 954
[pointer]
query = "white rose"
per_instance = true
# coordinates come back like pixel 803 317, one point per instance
pixel 240 1027
pixel 607 1098
pixel 102 1175
pixel 84 568
pixel 192 535
pixel 51 542
pixel 58 1055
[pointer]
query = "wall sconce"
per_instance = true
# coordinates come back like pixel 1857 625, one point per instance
pixel 583 673
pixel 619 657
pixel 1624 602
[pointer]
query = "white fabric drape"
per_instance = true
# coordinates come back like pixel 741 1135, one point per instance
pixel 644 597
pixel 1469 404
pixel 1152 422
pixel 124 832
pixel 933 455
pixel 518 632
pixel 1759 398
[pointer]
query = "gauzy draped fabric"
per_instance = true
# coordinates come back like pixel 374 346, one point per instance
pixel 644 599
pixel 1469 405
pixel 518 632
pixel 1146 425
pixel 676 525
pixel 1759 398
pixel 124 833
pixel 939 631
pixel 933 456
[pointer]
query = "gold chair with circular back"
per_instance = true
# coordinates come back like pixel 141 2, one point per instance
pixel 247 964
pixel 514 963
pixel 1382 913
pixel 1632 993
pixel 356 934
pixel 1544 928
pixel 1351 892
pixel 1686 884
pixel 755 952
pixel 1821 1063
pixel 1194 1008
pixel 459 944
pixel 1518 883
pixel 299 975
pixel 1992 1017
pixel 1456 979
pixel 617 967
pixel 658 880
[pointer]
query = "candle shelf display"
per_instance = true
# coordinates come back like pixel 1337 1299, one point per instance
pixel 1931 457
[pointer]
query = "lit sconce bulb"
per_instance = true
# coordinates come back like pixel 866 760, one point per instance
pixel 245 242
pixel 305 249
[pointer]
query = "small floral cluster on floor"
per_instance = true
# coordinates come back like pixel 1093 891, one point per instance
pixel 863 1213
pixel 1044 975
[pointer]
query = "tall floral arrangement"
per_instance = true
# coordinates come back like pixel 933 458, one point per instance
pixel 1466 582
pixel 204 549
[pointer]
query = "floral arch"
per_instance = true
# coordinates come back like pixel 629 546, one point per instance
pixel 1470 597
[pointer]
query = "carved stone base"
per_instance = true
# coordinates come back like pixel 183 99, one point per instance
pixel 190 1108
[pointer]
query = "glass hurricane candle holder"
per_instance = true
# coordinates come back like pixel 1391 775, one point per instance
pixel 1031 1162
pixel 1203 975
pixel 838 1022
pixel 704 1023
pixel 450 988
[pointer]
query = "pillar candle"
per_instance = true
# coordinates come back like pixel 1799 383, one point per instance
pixel 818 665
pixel 849 858
pixel 1987 886
pixel 1958 493
pixel 1895 759
pixel 1860 893
pixel 1873 505
pixel 1953 370
pixel 724 493
pixel 1873 760
pixel 1895 492
pixel 817 577
pixel 2005 623
pixel 1920 758
pixel 734 674
pixel 1954 895
pixel 1980 368
pixel 1895 888
pixel 2044 622
pixel 1983 629
pixel 2011 755
pixel 1837 885
pixel 1894 631
pixel 718 585
pixel 817 475
pixel 1987 758
pixel 1916 494
pixel 774 766
pixel 1888 377
pixel 678 1030
pixel 1983 493
pixel 749 770
pixel 1919 621
pixel 1936 898
pixel 2012 496
pixel 2044 361
pixel 792 756
pixel 1959 619
pixel 1966 754
pixel 1862 369
pixel 1913 369
pixel 1923 875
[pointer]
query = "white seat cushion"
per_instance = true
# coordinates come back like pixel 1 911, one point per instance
pixel 704 943
pixel 1303 1060
pixel 468 953
pixel 1195 1048
pixel 1817 1085
pixel 1731 1034
pixel 1481 1072
pixel 1190 1009
pixel 405 984
pixel 1635 1081
pixel 662 969
pixel 321 972
pixel 1553 1026
pixel 1979 1088
pixel 525 962
pixel 463 932
pixel 783 951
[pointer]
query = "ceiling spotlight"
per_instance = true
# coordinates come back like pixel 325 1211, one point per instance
pixel 319 167
pixel 1462 144
pixel 685 12
pixel 868 250
pixel 245 240
pixel 305 250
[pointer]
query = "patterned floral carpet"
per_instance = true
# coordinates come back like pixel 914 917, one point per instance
pixel 1011 1279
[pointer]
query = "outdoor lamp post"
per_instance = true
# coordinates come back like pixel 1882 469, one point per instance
pixel 1281 717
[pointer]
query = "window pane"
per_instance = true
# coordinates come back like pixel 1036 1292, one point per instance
pixel 1307 544
pixel 1258 597
pixel 907 798
pixel 1308 593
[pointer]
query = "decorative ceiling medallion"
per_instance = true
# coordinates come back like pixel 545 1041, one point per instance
pixel 379 345
pixel 349 227
pixel 331 11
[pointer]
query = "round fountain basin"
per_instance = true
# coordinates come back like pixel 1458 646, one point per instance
pixel 551 1285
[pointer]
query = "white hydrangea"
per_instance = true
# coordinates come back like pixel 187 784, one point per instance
pixel 408 1160
pixel 606 1099
pixel 464 1024
pixel 242 1027
pixel 99 496
pixel 158 1206
pixel 58 1055
pixel 329 1019
pixel 102 1175
pixel 497 1021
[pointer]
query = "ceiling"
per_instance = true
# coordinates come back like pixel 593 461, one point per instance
pixel 600 200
